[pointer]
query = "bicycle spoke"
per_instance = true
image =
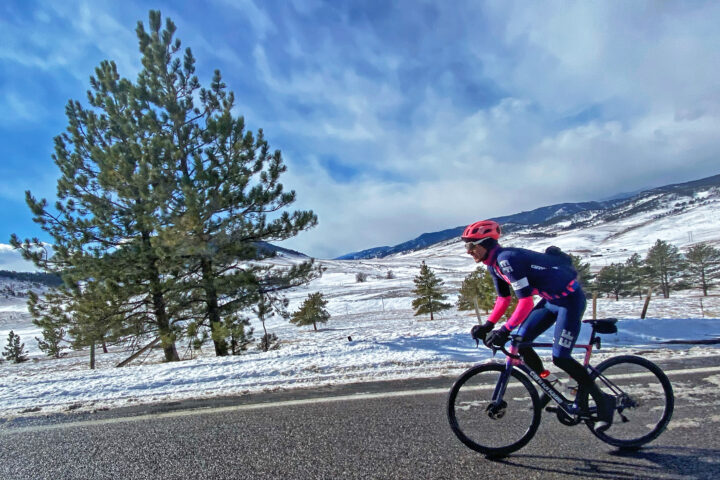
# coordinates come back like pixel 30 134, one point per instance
pixel 644 404
pixel 492 426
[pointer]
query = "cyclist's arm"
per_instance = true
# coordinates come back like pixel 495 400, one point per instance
pixel 501 306
pixel 523 308
pixel 502 302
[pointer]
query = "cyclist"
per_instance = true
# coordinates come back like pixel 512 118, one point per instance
pixel 549 275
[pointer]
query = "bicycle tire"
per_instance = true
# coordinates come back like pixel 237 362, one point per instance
pixel 469 419
pixel 646 406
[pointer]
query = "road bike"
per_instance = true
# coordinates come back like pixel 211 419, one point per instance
pixel 495 409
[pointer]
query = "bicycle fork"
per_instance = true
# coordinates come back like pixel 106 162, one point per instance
pixel 497 408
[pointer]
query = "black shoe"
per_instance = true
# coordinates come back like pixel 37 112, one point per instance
pixel 605 413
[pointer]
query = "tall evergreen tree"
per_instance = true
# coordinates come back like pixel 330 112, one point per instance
pixel 664 266
pixel 584 275
pixel 312 311
pixel 703 266
pixel 477 292
pixel 612 280
pixel 429 297
pixel 227 180
pixel 113 185
pixel 637 274
pixel 163 197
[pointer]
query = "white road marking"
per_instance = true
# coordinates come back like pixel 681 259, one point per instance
pixel 284 403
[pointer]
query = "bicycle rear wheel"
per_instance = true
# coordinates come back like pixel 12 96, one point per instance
pixel 644 400
pixel 492 429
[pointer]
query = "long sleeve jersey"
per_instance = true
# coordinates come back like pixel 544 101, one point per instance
pixel 528 273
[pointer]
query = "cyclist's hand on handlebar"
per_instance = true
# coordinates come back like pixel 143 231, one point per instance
pixel 479 332
pixel 497 338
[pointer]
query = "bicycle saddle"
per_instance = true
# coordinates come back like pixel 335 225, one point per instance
pixel 603 325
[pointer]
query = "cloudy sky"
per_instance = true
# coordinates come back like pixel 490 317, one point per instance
pixel 398 118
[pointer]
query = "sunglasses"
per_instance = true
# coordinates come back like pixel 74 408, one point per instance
pixel 470 245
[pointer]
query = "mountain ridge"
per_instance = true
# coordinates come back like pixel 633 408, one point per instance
pixel 549 215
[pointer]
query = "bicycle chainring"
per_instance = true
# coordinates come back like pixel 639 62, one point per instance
pixel 567 420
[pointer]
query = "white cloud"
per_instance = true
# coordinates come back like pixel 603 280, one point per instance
pixel 50 47
pixel 590 99
pixel 11 260
pixel 256 18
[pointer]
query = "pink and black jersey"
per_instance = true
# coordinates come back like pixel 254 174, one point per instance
pixel 550 276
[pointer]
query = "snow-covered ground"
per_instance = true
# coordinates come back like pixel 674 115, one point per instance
pixel 387 342
pixel 372 334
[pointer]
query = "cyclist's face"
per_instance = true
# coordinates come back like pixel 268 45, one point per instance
pixel 477 252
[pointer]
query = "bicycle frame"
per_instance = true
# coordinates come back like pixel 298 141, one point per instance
pixel 514 360
pixel 565 404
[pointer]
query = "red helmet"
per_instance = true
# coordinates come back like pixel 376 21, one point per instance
pixel 481 230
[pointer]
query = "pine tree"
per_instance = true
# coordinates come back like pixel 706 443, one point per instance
pixel 238 331
pixel 227 180
pixel 636 272
pixel 613 280
pixel 165 193
pixel 311 312
pixel 51 342
pixel 15 351
pixel 664 264
pixel 114 184
pixel 477 292
pixel 91 314
pixel 428 294
pixel 269 285
pixel 703 266
pixel 268 342
pixel 584 275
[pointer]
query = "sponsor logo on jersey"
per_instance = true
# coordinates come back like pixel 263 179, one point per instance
pixel 520 284
pixel 566 339
pixel 538 267
pixel 505 267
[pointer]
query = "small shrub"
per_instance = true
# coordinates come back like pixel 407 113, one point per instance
pixel 15 351
pixel 269 341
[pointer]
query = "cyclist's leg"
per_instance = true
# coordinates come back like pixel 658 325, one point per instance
pixel 569 316
pixel 537 321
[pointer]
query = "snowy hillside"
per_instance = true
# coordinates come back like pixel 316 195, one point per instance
pixel 546 221
pixel 385 340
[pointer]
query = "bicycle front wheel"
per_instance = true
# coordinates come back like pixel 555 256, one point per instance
pixel 493 428
pixel 643 397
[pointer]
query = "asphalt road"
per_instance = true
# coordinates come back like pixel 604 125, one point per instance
pixel 383 430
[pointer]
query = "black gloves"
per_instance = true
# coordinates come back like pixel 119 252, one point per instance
pixel 498 337
pixel 479 332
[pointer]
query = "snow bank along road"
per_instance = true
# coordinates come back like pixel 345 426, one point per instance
pixel 378 430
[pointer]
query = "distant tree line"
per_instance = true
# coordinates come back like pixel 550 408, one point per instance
pixel 49 279
pixel 665 268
